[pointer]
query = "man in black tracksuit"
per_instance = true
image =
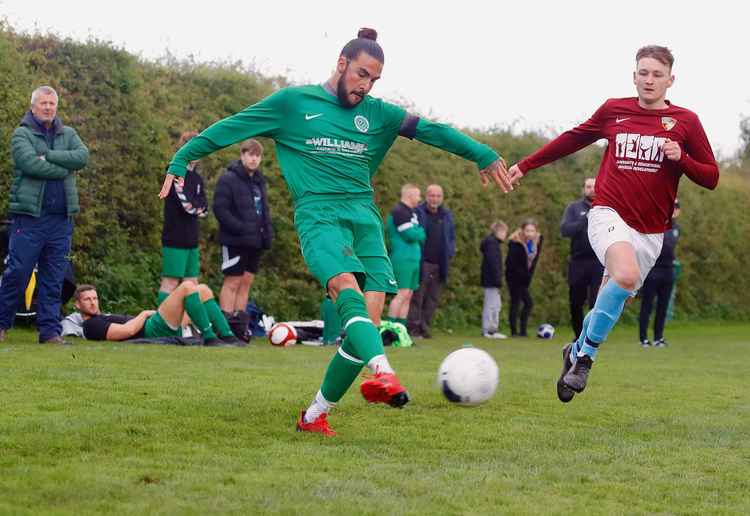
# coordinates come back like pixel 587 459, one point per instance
pixel 241 207
pixel 659 284
pixel 584 269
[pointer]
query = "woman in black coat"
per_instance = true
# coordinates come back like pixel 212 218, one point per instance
pixel 524 248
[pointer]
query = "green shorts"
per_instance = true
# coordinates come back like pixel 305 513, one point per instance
pixel 180 263
pixel 344 233
pixel 407 274
pixel 156 326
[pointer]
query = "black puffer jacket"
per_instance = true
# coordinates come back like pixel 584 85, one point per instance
pixel 235 208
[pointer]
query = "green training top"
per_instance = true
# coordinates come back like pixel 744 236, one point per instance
pixel 323 147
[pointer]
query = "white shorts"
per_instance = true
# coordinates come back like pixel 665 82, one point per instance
pixel 606 227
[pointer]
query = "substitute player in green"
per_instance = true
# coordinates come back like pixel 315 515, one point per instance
pixel 330 139
pixel 406 237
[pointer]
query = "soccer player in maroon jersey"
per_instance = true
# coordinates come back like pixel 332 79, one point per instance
pixel 651 144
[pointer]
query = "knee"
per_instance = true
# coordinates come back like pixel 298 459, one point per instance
pixel 169 284
pixel 342 282
pixel 187 288
pixel 626 278
pixel 205 291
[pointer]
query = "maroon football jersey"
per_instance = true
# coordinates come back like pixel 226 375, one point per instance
pixel 635 178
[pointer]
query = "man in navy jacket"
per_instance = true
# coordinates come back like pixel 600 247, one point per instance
pixel 437 251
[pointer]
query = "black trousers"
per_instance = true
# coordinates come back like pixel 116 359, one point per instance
pixel 584 280
pixel 658 284
pixel 519 295
pixel 425 299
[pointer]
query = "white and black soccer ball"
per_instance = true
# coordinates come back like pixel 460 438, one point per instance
pixel 282 334
pixel 468 376
pixel 545 331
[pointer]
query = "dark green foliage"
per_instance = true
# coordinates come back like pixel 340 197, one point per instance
pixel 130 113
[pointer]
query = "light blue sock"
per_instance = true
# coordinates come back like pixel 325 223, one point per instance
pixel 578 343
pixel 607 310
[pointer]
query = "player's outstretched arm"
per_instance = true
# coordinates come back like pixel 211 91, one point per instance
pixel 261 119
pixel 491 165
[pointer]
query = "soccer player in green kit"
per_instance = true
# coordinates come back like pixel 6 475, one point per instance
pixel 330 139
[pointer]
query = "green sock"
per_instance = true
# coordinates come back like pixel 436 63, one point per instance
pixel 362 334
pixel 160 297
pixel 341 373
pixel 197 313
pixel 216 316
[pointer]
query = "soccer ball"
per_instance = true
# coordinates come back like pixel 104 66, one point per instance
pixel 545 331
pixel 282 334
pixel 468 376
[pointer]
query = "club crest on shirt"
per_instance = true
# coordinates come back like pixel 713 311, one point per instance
pixel 667 122
pixel 361 123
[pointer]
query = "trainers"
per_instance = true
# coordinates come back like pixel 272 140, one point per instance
pixel 232 340
pixel 565 393
pixel 577 375
pixel 660 343
pixel 645 343
pixel 494 335
pixel 57 339
pixel 384 388
pixel 318 426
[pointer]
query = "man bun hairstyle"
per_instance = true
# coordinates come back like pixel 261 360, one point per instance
pixel 366 41
pixel 661 54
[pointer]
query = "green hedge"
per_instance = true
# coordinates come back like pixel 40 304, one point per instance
pixel 130 113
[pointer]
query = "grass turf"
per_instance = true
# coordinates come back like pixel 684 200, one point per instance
pixel 118 428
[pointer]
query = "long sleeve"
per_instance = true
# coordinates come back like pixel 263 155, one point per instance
pixel 697 160
pixel 567 143
pixel 223 210
pixel 572 225
pixel 261 119
pixel 73 158
pixel 449 139
pixel 26 159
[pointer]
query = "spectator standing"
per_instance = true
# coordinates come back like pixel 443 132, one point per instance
pixel 43 201
pixel 405 236
pixel 492 279
pixel 584 269
pixel 437 251
pixel 659 284
pixel 185 204
pixel 524 248
pixel 241 207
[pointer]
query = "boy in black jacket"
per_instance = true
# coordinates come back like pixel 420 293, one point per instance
pixel 185 204
pixel 241 207
pixel 492 279
pixel 524 248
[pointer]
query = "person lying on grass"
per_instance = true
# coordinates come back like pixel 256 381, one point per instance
pixel 197 300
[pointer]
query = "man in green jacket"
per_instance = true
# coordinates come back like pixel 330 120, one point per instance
pixel 406 237
pixel 43 200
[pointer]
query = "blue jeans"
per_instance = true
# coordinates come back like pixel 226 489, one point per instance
pixel 45 242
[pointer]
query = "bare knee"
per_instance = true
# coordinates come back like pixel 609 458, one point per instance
pixel 341 282
pixel 187 288
pixel 626 278
pixel 168 284
pixel 205 291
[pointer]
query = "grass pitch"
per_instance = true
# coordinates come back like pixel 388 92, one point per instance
pixel 141 429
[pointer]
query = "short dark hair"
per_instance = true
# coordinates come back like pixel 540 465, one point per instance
pixel 366 41
pixel 81 289
pixel 661 54
pixel 252 146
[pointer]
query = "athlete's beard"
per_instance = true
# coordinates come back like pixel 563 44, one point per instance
pixel 342 94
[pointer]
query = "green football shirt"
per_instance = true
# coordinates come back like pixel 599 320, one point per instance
pixel 323 147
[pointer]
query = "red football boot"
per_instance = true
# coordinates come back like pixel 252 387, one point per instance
pixel 384 388
pixel 319 425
